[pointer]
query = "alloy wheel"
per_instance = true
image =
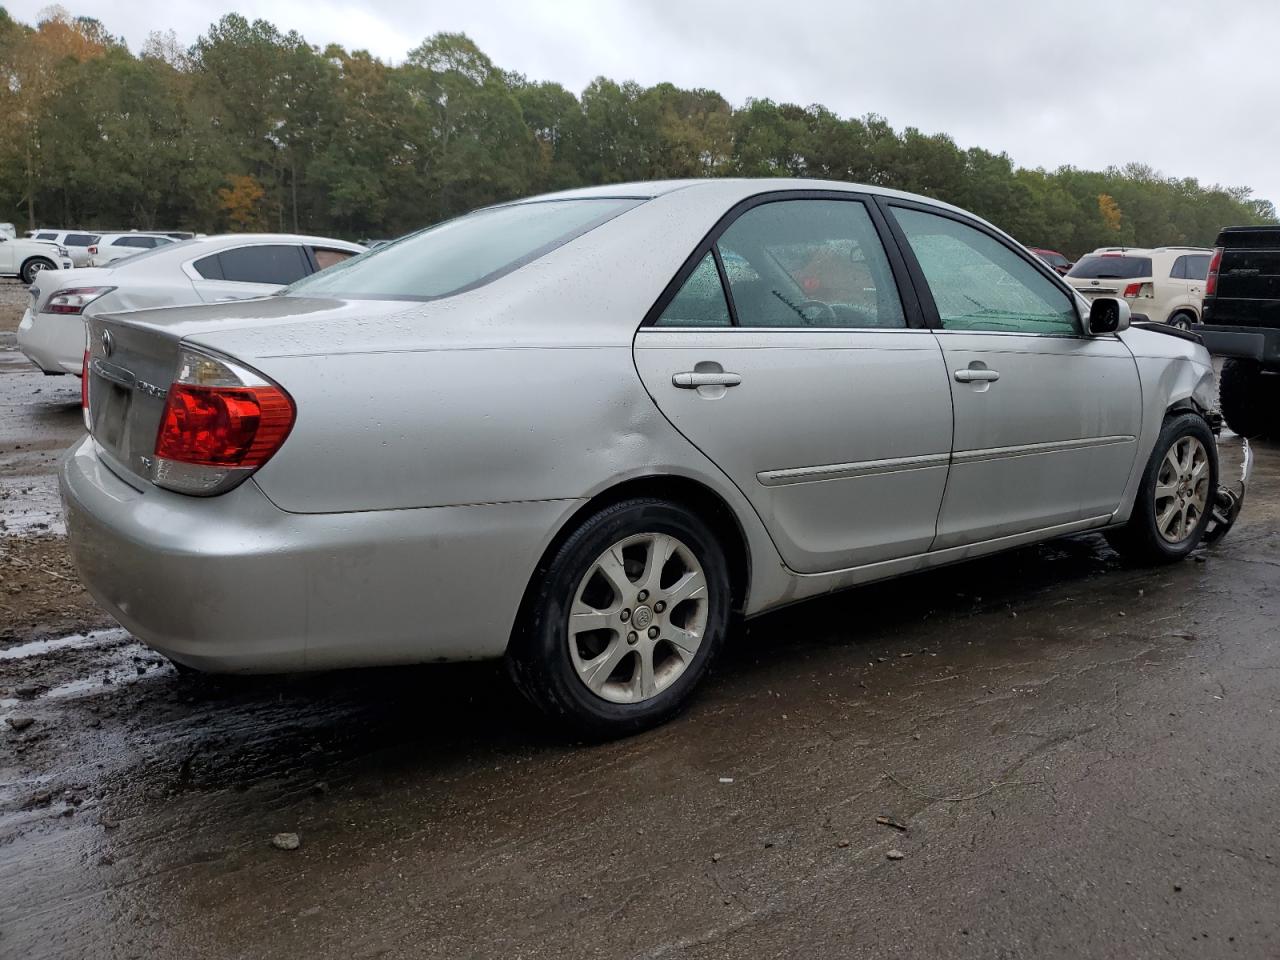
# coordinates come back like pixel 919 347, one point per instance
pixel 1182 489
pixel 638 618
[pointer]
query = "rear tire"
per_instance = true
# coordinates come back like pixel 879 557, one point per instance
pixel 1181 321
pixel 624 619
pixel 1175 496
pixel 33 266
pixel 1250 398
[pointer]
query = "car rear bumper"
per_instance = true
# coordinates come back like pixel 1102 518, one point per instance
pixel 235 584
pixel 1247 343
pixel 54 343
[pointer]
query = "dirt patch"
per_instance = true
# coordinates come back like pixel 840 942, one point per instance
pixel 40 592
pixel 13 300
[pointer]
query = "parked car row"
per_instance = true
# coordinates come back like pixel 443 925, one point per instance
pixel 202 270
pixel 585 431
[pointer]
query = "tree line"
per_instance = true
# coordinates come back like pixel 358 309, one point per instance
pixel 253 129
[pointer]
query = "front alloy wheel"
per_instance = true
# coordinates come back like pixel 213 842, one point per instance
pixel 1175 495
pixel 1182 489
pixel 623 618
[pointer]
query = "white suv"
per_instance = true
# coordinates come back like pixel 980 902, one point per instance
pixel 116 246
pixel 1163 284
pixel 77 242
pixel 26 258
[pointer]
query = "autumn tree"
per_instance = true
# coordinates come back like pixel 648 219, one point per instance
pixel 242 203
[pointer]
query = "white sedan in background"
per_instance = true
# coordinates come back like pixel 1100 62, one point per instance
pixel 203 270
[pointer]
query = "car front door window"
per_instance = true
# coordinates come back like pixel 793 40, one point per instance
pixel 980 284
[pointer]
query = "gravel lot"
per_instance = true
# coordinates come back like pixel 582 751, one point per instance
pixel 1075 759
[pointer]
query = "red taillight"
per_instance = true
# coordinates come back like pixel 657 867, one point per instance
pixel 223 426
pixel 1211 281
pixel 1132 290
pixel 93 250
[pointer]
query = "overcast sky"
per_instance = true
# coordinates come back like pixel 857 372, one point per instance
pixel 1081 82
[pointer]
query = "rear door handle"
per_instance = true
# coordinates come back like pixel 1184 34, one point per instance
pixel 972 375
pixel 691 380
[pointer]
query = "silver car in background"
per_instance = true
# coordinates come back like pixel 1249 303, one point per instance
pixel 233 266
pixel 584 431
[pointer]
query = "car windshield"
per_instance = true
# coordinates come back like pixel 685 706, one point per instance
pixel 1111 267
pixel 461 254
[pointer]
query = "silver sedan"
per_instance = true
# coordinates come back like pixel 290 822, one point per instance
pixel 586 431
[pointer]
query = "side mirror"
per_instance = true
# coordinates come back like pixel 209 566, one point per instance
pixel 1107 315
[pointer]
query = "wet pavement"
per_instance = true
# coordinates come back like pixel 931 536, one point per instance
pixel 1082 758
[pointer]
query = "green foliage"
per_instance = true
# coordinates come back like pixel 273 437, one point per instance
pixel 252 128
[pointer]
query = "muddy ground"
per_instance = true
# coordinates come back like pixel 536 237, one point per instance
pixel 1082 758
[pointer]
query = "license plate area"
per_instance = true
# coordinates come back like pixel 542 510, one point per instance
pixel 111 418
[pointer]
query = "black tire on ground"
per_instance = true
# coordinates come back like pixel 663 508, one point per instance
pixel 33 267
pixel 1250 398
pixel 539 657
pixel 1140 539
pixel 1181 321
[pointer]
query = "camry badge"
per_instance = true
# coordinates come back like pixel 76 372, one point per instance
pixel 107 344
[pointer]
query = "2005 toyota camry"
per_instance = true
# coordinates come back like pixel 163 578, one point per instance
pixel 585 430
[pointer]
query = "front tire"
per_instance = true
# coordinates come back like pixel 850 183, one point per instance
pixel 1250 399
pixel 1176 494
pixel 624 619
pixel 33 266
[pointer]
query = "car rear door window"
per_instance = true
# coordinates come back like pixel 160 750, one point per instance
pixel 809 263
pixel 277 263
pixel 1197 267
pixel 979 283
pixel 209 267
pixel 700 302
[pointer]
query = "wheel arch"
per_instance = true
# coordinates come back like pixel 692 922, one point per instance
pixel 22 268
pixel 686 491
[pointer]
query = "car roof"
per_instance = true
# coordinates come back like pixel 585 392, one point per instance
pixel 734 189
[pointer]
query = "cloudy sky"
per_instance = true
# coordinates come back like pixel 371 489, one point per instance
pixel 1081 82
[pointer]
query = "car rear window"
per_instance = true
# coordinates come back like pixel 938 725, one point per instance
pixel 80 239
pixel 1111 267
pixel 462 254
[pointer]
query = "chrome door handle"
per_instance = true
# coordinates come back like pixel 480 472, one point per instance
pixel 971 375
pixel 691 380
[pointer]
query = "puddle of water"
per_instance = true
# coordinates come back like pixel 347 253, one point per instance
pixel 39 647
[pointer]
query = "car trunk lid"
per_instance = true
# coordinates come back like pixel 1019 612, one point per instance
pixel 133 358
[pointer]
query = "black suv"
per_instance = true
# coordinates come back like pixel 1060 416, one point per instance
pixel 1241 321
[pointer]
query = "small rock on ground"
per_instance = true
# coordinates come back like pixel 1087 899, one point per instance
pixel 286 841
